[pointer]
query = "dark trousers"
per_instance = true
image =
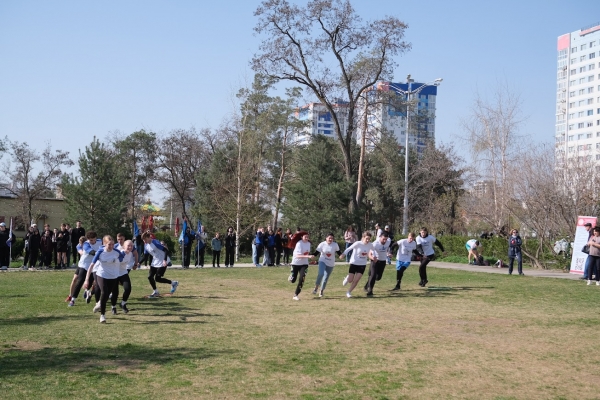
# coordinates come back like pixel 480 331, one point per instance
pixel 229 255
pixel 399 275
pixel 126 282
pixel 46 259
pixel 33 257
pixel 423 267
pixel 157 275
pixel 278 250
pixel 26 258
pixel 287 253
pixel 217 256
pixel 594 267
pixel 200 256
pixel 271 250
pixel 107 286
pixel 76 255
pixel 375 273
pixel 187 252
pixel 511 261
pixel 299 274
pixel 68 256
pixel 5 256
pixel 81 275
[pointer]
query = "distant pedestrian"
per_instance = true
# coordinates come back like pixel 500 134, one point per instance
pixel 594 268
pixel 216 245
pixel 230 240
pixel 514 251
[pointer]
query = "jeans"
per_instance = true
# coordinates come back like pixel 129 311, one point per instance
pixel 259 253
pixel 323 275
pixel 348 244
pixel 588 262
pixel 511 261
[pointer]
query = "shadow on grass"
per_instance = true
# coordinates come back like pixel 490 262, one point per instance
pixel 97 360
pixel 37 320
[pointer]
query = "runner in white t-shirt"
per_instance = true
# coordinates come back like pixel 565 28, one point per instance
pixel 379 253
pixel 361 253
pixel 130 261
pixel 87 251
pixel 403 256
pixel 300 259
pixel 425 243
pixel 325 250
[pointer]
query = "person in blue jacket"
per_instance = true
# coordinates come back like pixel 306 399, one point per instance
pixel 514 251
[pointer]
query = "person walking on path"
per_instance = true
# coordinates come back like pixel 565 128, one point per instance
pixel 514 251
pixel 361 252
pixel 403 256
pixel 300 264
pixel 325 250
pixel 425 243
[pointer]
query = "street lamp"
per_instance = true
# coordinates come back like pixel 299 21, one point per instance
pixel 409 94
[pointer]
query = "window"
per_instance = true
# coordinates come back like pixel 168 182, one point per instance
pixel 571 138
pixel 580 114
pixel 581 91
pixel 581 102
pixel 584 46
pixel 590 78
pixel 571 126
pixel 590 90
pixel 571 149
pixel 583 58
pixel 597 158
pixel 582 69
pixel 590 124
pixel 571 116
pixel 592 44
pixel 588 136
pixel 598 145
pixel 590 101
pixel 580 147
pixel 573 60
pixel 579 126
pixel 592 55
pixel 571 83
pixel 590 112
pixel 591 67
pixel 571 105
pixel 573 71
pixel 573 49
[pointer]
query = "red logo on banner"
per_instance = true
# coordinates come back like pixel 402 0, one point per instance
pixel 581 221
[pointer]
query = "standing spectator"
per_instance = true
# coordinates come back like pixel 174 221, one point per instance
pixel 286 243
pixel 588 260
pixel 278 246
pixel 139 245
pixel 27 252
pixel 187 240
pixel 34 246
pixel 42 234
pixel 200 247
pixel 47 248
pixel 216 245
pixel 229 247
pixel 76 233
pixel 391 236
pixel 378 231
pixel 62 241
pixel 271 248
pixel 514 251
pixel 349 237
pixel 594 243
pixel 55 246
pixel 4 247
pixel 259 245
pixel 68 262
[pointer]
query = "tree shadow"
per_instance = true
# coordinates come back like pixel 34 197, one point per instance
pixel 98 360
pixel 38 320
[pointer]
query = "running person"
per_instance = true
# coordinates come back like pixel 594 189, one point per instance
pixel 300 264
pixel 473 248
pixel 326 262
pixel 75 278
pixel 358 261
pixel 87 251
pixel 158 267
pixel 129 261
pixel 425 243
pixel 107 262
pixel 403 256
pixel 379 254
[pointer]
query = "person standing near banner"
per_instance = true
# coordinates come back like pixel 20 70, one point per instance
pixel 588 260
pixel 594 255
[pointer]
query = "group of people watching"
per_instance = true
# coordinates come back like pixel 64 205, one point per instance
pixel 56 246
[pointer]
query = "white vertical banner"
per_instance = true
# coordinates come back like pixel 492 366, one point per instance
pixel 581 238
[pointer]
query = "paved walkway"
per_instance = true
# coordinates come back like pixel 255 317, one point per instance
pixel 434 264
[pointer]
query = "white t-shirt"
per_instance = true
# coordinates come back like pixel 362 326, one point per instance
pixel 301 249
pixel 328 252
pixel 157 251
pixel 405 249
pixel 360 252
pixel 472 244
pixel 107 264
pixel 380 250
pixel 130 260
pixel 427 244
pixel 86 257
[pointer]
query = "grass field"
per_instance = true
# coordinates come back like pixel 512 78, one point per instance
pixel 237 334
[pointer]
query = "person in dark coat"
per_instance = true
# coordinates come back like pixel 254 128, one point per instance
pixel 76 233
pixel 229 247
pixel 34 241
pixel 4 247
pixel 514 251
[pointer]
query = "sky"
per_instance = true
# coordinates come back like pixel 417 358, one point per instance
pixel 72 70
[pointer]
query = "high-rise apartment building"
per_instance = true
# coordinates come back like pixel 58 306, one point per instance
pixel 578 95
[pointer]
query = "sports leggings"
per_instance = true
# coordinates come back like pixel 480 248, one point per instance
pixel 107 286
pixel 299 274
pixel 156 275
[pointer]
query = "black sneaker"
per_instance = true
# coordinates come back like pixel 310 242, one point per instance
pixel 124 308
pixel 424 282
pixel 370 294
pixel 114 311
pixel 366 288
pixel 396 288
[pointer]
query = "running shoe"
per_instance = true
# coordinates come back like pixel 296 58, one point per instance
pixel 102 319
pixel 589 282
pixel 154 295
pixel 314 291
pixel 397 287
pixel 124 308
pixel 296 298
pixel 85 294
pixel 424 282
pixel 366 287
pixel 321 293
pixel 89 297
pixel 113 310
pixel 96 307
pixel 291 278
pixel 345 282
pixel 174 286
pixel 370 294
pixel 71 303
pixel 348 294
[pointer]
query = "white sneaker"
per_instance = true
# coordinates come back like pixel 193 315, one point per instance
pixel 314 291
pixel 321 293
pixel 348 295
pixel 174 285
pixel 345 282
pixel 102 319
pixel 97 307
pixel 291 277
pixel 597 283
pixel 154 294
pixel 71 303
pixel 589 282
pixel 296 298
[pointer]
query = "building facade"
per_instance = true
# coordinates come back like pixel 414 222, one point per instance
pixel 320 121
pixel 577 131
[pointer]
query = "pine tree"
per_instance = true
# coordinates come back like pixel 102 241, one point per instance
pixel 98 196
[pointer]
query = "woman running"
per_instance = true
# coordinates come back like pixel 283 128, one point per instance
pixel 158 266
pixel 379 253
pixel 129 261
pixel 403 256
pixel 300 264
pixel 325 251
pixel 87 252
pixel 361 252
pixel 425 243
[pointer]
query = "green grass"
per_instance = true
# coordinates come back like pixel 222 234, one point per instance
pixel 236 333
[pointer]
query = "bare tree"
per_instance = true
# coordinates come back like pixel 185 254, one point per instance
pixel 327 48
pixel 492 134
pixel 28 185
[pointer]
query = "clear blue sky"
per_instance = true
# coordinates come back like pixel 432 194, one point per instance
pixel 71 70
